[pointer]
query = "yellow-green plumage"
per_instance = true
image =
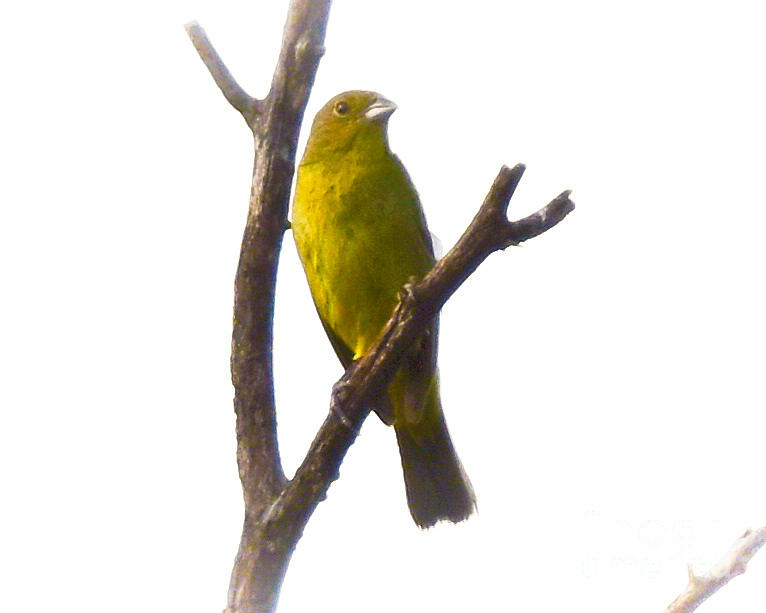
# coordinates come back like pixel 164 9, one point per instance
pixel 361 236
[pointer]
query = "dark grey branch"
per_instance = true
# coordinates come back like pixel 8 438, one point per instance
pixel 237 97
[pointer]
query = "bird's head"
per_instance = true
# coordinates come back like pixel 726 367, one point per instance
pixel 351 119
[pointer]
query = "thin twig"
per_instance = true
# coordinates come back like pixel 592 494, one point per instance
pixel 233 91
pixel 701 587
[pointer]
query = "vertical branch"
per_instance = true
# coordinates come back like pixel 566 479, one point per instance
pixel 275 124
pixel 258 571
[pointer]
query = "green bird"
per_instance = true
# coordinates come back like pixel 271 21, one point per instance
pixel 361 236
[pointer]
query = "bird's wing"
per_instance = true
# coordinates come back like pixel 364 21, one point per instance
pixel 425 235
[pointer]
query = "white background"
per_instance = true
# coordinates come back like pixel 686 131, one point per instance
pixel 603 383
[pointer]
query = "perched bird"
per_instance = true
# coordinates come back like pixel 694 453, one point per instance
pixel 361 236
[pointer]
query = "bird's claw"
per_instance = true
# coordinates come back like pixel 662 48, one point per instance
pixel 407 291
pixel 338 395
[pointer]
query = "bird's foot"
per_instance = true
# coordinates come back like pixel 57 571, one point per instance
pixel 338 396
pixel 407 291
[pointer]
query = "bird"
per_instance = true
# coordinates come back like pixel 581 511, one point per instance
pixel 361 236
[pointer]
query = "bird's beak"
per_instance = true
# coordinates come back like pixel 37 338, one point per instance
pixel 380 110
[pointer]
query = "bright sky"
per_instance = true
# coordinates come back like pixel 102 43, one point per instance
pixel 603 384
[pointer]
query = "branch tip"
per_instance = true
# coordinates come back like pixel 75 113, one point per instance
pixel 565 198
pixel 692 577
pixel 503 187
pixel 512 176
pixel 563 204
pixel 232 91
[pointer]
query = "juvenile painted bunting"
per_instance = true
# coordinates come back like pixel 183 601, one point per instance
pixel 361 236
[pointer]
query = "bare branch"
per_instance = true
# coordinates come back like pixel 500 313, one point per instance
pixel 232 91
pixel 734 563
pixel 275 124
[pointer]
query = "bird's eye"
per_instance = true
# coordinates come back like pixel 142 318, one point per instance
pixel 341 108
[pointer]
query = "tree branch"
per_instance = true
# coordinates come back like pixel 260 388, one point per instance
pixel 232 91
pixel 734 563
pixel 275 124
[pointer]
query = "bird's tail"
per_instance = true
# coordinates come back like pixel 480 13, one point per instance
pixel 437 486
